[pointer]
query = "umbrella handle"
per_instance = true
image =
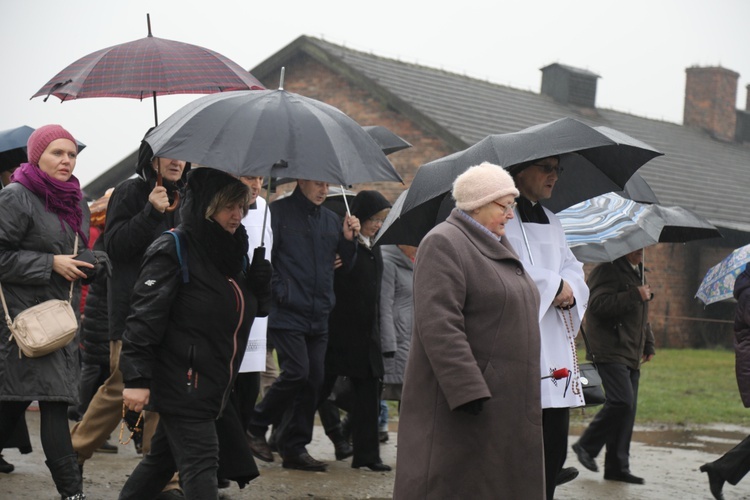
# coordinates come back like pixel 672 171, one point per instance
pixel 176 202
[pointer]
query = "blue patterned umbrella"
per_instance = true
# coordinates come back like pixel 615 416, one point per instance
pixel 718 284
pixel 609 226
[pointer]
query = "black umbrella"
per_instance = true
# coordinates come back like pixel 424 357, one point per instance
pixel 596 160
pixel 387 140
pixel 272 133
pixel 13 147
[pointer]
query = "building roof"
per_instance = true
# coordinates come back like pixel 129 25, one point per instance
pixel 697 171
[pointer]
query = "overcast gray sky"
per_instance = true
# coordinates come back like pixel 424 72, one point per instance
pixel 640 48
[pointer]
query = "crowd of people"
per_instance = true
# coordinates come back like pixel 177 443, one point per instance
pixel 198 288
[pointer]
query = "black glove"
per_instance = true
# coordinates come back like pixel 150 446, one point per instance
pixel 473 407
pixel 260 271
pixel 390 354
pixel 102 264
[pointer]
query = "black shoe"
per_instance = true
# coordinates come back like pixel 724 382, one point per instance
pixel 346 428
pixel 566 475
pixel 223 483
pixel 305 462
pixel 383 436
pixel 259 447
pixel 623 477
pixel 172 494
pixel 715 481
pixel 585 458
pixel 376 467
pixel 343 449
pixel 5 467
pixel 107 447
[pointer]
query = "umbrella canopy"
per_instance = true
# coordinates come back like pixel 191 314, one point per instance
pixel 609 226
pixel 718 284
pixel 272 133
pixel 148 67
pixel 596 160
pixel 387 140
pixel 13 147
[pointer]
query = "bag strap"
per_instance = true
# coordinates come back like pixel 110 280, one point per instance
pixel 182 252
pixel 70 294
pixel 586 341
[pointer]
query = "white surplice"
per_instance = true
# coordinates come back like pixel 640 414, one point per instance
pixel 254 359
pixel 553 261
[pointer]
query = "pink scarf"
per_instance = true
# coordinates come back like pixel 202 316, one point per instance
pixel 60 198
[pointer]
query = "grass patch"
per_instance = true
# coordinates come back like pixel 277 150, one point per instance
pixel 686 387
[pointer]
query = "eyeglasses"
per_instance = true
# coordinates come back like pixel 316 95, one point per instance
pixel 506 208
pixel 548 169
pixel 375 220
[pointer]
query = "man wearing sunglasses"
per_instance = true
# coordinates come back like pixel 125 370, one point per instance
pixel 537 236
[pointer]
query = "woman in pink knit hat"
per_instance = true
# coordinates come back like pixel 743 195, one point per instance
pixel 470 424
pixel 44 223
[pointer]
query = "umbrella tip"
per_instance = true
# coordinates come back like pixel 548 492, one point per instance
pixel 148 23
pixel 281 78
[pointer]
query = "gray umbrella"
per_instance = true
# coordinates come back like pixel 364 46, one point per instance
pixel 272 133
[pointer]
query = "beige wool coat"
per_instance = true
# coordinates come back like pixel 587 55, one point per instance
pixel 476 335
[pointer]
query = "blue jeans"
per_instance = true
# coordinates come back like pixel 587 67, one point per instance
pixel 383 419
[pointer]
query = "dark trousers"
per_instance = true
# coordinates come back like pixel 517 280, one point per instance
pixel 245 395
pixel 92 377
pixel 179 444
pixel 54 430
pixel 613 425
pixel 734 464
pixel 364 415
pixel 294 395
pixel 555 424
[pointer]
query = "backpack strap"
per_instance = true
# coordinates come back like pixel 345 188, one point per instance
pixel 182 252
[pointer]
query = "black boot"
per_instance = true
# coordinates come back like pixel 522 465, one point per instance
pixel 340 445
pixel 67 477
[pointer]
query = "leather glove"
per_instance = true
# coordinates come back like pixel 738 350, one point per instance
pixel 102 264
pixel 390 354
pixel 473 407
pixel 260 271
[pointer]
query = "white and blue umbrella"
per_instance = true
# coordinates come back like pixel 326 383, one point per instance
pixel 718 284
pixel 609 226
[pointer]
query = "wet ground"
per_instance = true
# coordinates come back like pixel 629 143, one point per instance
pixel 667 458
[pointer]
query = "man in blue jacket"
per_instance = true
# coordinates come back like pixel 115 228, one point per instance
pixel 307 238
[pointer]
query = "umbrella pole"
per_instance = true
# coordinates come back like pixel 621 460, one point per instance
pixel 525 238
pixel 346 203
pixel 156 115
pixel 265 212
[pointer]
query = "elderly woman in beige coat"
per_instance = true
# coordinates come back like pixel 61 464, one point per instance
pixel 471 417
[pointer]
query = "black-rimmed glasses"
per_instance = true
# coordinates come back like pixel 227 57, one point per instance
pixel 548 169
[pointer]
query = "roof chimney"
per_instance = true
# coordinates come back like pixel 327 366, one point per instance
pixel 710 101
pixel 569 85
pixel 743 121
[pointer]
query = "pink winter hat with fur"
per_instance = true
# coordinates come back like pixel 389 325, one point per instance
pixel 41 138
pixel 482 184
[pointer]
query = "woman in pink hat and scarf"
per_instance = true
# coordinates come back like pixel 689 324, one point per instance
pixel 42 217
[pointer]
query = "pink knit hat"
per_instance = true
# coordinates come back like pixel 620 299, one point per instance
pixel 482 184
pixel 40 139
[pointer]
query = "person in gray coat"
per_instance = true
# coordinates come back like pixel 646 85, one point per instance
pixel 42 214
pixel 471 411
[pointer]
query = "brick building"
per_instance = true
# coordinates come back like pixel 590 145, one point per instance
pixel 706 166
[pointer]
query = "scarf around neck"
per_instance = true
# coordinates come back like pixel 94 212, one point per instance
pixel 60 198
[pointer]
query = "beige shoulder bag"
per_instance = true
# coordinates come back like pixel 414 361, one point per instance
pixel 43 328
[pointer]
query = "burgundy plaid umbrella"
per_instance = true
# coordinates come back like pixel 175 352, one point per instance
pixel 149 67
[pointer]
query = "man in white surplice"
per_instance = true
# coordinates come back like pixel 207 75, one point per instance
pixel 537 236
pixel 247 386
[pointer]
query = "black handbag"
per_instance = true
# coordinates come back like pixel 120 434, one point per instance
pixel 591 382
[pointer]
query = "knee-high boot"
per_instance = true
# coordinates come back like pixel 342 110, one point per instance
pixel 67 477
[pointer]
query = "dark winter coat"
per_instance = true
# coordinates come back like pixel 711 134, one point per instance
pixel 616 322
pixel 132 225
pixel 353 327
pixel 396 308
pixel 742 335
pixel 185 341
pixel 306 239
pixel 29 238
pixel 476 335
pixel 95 324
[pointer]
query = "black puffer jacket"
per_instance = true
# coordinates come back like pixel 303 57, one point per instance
pixel 132 225
pixel 742 335
pixel 95 324
pixel 185 341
